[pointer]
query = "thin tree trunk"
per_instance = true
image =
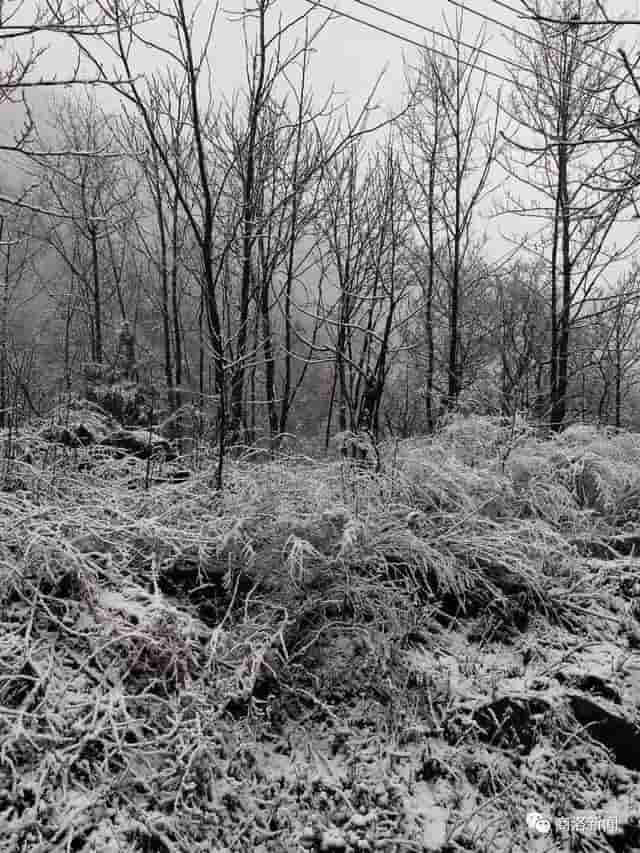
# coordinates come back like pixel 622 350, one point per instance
pixel 559 408
pixel 4 335
pixel 454 378
pixel 332 398
pixel 269 360
pixel 164 290
pixel 431 274
pixel 618 380
pixel 97 298
pixel 248 230
pixel 67 346
pixel 175 308
pixel 285 404
pixel 201 352
pixel 553 365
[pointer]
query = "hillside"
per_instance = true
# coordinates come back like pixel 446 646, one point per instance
pixel 440 656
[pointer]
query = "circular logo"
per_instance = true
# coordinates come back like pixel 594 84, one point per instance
pixel 538 822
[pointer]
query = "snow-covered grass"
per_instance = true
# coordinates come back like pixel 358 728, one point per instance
pixel 150 627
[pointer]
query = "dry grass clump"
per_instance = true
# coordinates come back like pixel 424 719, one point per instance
pixel 602 471
pixel 577 479
pixel 281 520
pixel 430 521
pixel 476 440
pixel 541 490
pixel 432 478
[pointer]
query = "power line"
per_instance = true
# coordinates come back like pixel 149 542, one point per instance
pixel 590 92
pixel 411 22
pixel 433 49
pixel 533 39
pixel 576 22
pixel 477 48
pixel 516 65
pixel 620 126
pixel 515 11
pixel 407 40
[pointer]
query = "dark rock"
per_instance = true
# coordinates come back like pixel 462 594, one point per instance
pixel 627 544
pixel 589 683
pixel 511 722
pixel 617 733
pixel 85 434
pixel 60 435
pixel 128 402
pixel 82 423
pixel 626 837
pixel 78 424
pixel 188 574
pixel 599 687
pixel 189 420
pixel 633 636
pixel 139 442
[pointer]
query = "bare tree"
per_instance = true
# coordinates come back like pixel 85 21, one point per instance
pixel 185 56
pixel 521 335
pixel 17 255
pixel 467 163
pixel 559 105
pixel 422 139
pixel 162 233
pixel 364 230
pixel 95 194
pixel 615 346
pixel 451 134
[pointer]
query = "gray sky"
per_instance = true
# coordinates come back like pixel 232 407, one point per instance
pixel 347 54
pixel 350 55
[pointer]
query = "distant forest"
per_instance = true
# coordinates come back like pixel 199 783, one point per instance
pixel 281 266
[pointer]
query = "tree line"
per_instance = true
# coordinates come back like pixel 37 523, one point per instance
pixel 286 266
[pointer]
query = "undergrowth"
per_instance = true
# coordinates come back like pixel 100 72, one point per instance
pixel 142 619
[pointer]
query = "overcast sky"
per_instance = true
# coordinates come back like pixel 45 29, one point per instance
pixel 347 54
pixel 350 55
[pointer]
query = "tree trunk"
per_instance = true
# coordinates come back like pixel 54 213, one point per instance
pixel 175 308
pixel 431 278
pixel 269 362
pixel 618 380
pixel 164 291
pixel 97 298
pixel 454 369
pixel 248 230
pixel 559 407
pixel 4 338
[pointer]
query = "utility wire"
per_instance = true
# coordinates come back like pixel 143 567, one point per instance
pixel 407 40
pixel 473 47
pixel 591 92
pixel 411 22
pixel 572 24
pixel 515 65
pixel 575 22
pixel 533 39
pixel 438 51
pixel 620 126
